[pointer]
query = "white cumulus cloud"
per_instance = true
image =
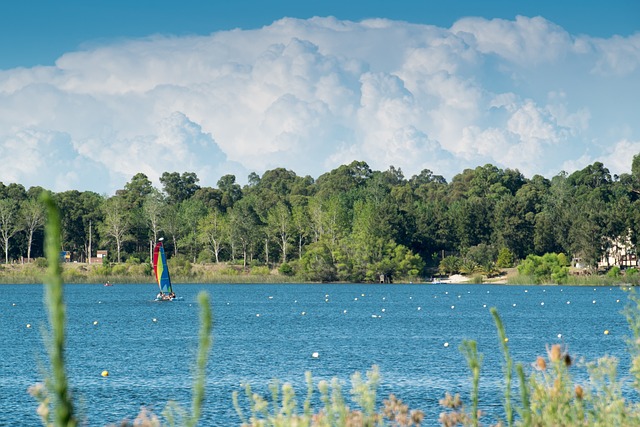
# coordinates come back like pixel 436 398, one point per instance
pixel 309 95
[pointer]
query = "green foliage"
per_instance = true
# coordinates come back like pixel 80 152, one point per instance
pixel 450 264
pixel 286 269
pixel 40 262
pixel 549 268
pixel 261 270
pixel 614 271
pixel 505 258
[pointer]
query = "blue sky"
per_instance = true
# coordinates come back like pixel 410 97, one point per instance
pixel 36 32
pixel 92 92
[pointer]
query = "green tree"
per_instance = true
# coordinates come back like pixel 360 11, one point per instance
pixel 279 221
pixel 213 230
pixel 9 224
pixel 179 187
pixel 33 215
pixel 117 222
pixel 192 211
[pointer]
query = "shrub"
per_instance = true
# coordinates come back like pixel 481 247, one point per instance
pixel 505 258
pixel 40 262
pixel 286 269
pixel 614 271
pixel 261 270
pixel 119 270
pixel 450 264
pixel 549 268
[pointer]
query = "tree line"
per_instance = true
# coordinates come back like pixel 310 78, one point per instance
pixel 350 224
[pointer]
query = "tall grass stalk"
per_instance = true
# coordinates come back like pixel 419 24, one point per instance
pixel 204 348
pixel 508 368
pixel 469 349
pixel 57 383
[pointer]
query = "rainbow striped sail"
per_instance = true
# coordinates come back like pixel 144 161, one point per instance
pixel 160 269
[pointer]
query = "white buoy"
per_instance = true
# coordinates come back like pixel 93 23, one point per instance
pixel 344 311
pixel 594 301
pixel 559 335
pixel 383 310
pixel 258 315
pixel 484 305
pixel 514 304
pixel 355 299
pixel 542 303
pixel 28 325
pixel 95 322
pixel 270 297
pixel 154 320
pixel 419 308
pixel 446 344
pixel 617 300
pixel 303 313
pixel 452 307
pixel 568 302
pixel 315 354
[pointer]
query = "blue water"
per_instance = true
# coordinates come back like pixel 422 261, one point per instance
pixel 263 332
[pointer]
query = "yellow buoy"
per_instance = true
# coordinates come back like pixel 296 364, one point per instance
pixel 606 332
pixel 105 373
pixel 506 340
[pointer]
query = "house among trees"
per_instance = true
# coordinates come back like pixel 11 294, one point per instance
pixel 619 252
pixel 100 256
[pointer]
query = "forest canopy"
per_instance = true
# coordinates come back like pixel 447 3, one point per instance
pixel 349 224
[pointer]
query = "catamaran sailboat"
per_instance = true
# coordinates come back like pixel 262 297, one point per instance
pixel 161 272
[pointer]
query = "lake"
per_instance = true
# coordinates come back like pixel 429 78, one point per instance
pixel 261 332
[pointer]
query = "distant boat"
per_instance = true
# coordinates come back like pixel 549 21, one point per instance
pixel 108 283
pixel 161 272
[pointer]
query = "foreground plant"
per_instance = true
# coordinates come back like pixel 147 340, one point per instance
pixel 281 410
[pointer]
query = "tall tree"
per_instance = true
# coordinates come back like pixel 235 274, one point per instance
pixel 117 222
pixel 9 224
pixel 213 230
pixel 152 208
pixel 33 216
pixel 280 222
pixel 179 187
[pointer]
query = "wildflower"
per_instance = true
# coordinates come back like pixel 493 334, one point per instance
pixel 555 353
pixel 540 364
pixel 417 417
pixel 579 392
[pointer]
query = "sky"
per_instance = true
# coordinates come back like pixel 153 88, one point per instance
pixel 93 92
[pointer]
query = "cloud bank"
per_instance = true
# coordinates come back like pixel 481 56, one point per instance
pixel 309 95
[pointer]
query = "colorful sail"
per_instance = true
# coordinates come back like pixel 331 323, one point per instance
pixel 160 269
